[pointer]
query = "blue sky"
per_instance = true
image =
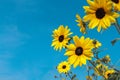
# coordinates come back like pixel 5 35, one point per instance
pixel 25 37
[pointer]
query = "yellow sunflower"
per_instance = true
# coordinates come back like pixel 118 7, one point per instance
pixel 63 67
pixel 116 4
pixel 96 44
pixel 61 37
pixel 108 73
pixel 99 14
pixel 106 59
pixel 80 51
pixel 100 69
pixel 81 24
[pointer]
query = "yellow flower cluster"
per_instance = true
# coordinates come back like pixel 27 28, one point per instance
pixel 100 14
pixel 78 52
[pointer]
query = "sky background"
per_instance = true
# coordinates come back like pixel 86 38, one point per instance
pixel 25 37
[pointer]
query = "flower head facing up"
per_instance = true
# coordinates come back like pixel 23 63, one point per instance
pixel 61 37
pixel 99 14
pixel 108 73
pixel 81 24
pixel 96 44
pixel 63 67
pixel 80 51
pixel 116 4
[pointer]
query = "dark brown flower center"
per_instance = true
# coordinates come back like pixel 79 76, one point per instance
pixel 79 51
pixel 64 66
pixel 61 38
pixel 108 74
pixel 115 1
pixel 100 13
pixel 94 42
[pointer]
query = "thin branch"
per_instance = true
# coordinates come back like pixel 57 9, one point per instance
pixel 115 40
pixel 87 66
pixel 108 65
pixel 96 68
pixel 69 76
pixel 117 26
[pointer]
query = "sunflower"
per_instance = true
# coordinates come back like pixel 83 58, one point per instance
pixel 63 67
pixel 61 37
pixel 99 14
pixel 108 73
pixel 80 51
pixel 116 4
pixel 100 69
pixel 81 24
pixel 106 59
pixel 96 44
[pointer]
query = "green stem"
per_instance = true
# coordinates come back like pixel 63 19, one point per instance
pixel 96 68
pixel 115 40
pixel 108 65
pixel 117 26
pixel 88 69
pixel 69 76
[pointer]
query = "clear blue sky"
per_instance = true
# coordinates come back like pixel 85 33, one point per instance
pixel 25 37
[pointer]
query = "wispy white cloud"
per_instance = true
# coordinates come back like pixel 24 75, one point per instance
pixel 10 39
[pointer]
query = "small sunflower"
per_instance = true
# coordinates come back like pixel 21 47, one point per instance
pixel 81 24
pixel 80 51
pixel 96 44
pixel 99 14
pixel 108 73
pixel 106 59
pixel 116 4
pixel 63 67
pixel 61 37
pixel 100 69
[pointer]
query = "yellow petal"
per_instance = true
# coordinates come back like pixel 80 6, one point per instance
pixel 106 20
pixel 99 28
pixel 69 53
pixel 92 4
pixel 76 62
pixel 72 59
pixel 93 23
pixel 82 40
pixel 83 59
pixel 71 47
pixel 88 17
pixel 76 41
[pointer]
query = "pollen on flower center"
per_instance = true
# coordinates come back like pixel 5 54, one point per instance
pixel 79 51
pixel 115 1
pixel 61 38
pixel 100 13
pixel 64 66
